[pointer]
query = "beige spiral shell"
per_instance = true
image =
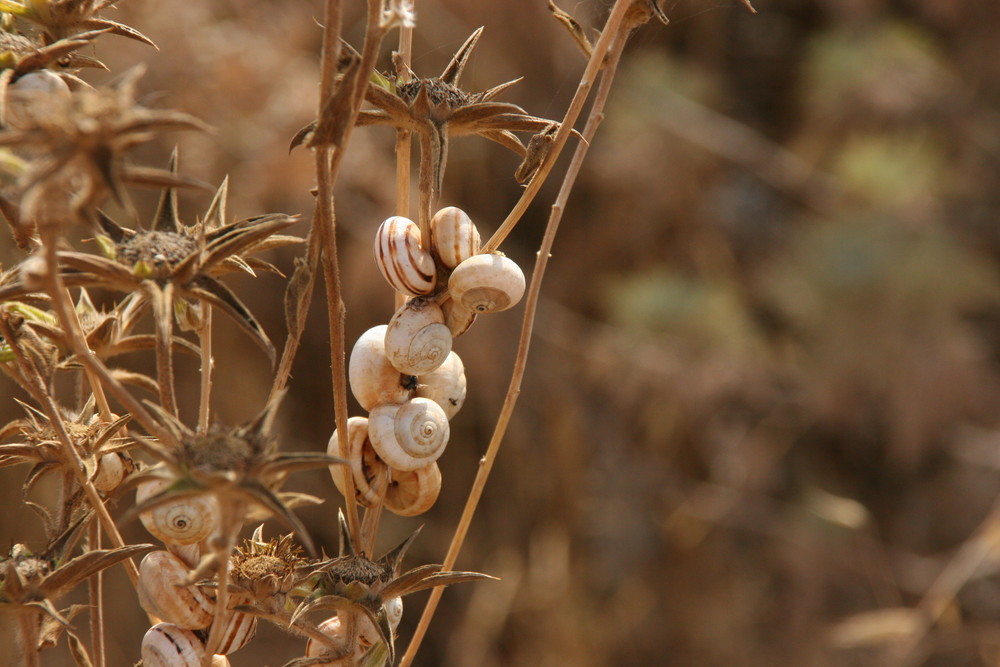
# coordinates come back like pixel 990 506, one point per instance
pixel 186 520
pixel 163 594
pixel 409 436
pixel 111 471
pixel 372 378
pixel 457 317
pixel 166 645
pixel 416 339
pixel 445 385
pixel 402 259
pixel 240 629
pixel 487 283
pixel 454 238
pixel 364 464
pixel 333 628
pixel 413 492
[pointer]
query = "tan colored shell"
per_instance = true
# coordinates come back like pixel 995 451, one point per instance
pixel 166 645
pixel 413 492
pixel 240 629
pixel 365 465
pixel 184 521
pixel 372 378
pixel 162 593
pixel 487 283
pixel 111 471
pixel 454 238
pixel 332 627
pixel 401 257
pixel 416 339
pixel 445 385
pixel 409 436
pixel 41 89
pixel 457 317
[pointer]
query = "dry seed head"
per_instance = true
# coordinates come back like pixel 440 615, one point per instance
pixel 154 254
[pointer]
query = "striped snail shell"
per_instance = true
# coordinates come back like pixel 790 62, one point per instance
pixel 163 594
pixel 401 258
pixel 187 520
pixel 445 385
pixel 166 645
pixel 487 283
pixel 409 436
pixel 457 317
pixel 364 464
pixel 372 378
pixel 416 339
pixel 413 492
pixel 240 629
pixel 454 237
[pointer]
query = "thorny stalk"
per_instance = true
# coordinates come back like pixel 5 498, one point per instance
pixel 612 42
pixel 207 364
pixel 96 592
pixel 231 514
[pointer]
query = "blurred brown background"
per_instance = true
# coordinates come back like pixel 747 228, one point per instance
pixel 761 397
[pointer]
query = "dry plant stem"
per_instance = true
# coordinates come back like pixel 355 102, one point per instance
pixel 96 585
pixel 27 632
pixel 596 62
pixel 48 406
pixel 162 301
pixel 612 42
pixel 95 385
pixel 205 343
pixel 231 513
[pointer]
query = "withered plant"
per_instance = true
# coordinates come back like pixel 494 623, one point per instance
pixel 68 158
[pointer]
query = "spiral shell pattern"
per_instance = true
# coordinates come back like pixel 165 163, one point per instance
pixel 364 464
pixel 187 520
pixel 413 492
pixel 401 258
pixel 416 339
pixel 487 283
pixel 163 594
pixel 409 436
pixel 454 237
pixel 240 629
pixel 166 645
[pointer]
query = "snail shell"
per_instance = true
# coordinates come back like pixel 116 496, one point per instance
pixel 365 465
pixel 372 378
pixel 332 627
pixel 163 594
pixel 185 521
pixel 413 492
pixel 487 283
pixel 416 339
pixel 454 238
pixel 409 436
pixel 40 89
pixel 240 629
pixel 166 645
pixel 401 258
pixel 394 611
pixel 111 470
pixel 445 385
pixel 457 317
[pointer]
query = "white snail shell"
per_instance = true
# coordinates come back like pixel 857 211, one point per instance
pixel 372 378
pixel 163 594
pixel 111 471
pixel 416 339
pixel 454 238
pixel 240 629
pixel 364 464
pixel 487 283
pixel 445 385
pixel 187 520
pixel 394 611
pixel 33 91
pixel 413 492
pixel 457 317
pixel 332 627
pixel 166 645
pixel 401 258
pixel 409 436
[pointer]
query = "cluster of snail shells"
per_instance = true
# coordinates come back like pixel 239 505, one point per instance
pixel 405 373
pixel 164 589
pixel 367 635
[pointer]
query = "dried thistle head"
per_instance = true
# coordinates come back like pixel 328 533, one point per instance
pixel 240 465
pixel 77 143
pixel 352 581
pixel 62 18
